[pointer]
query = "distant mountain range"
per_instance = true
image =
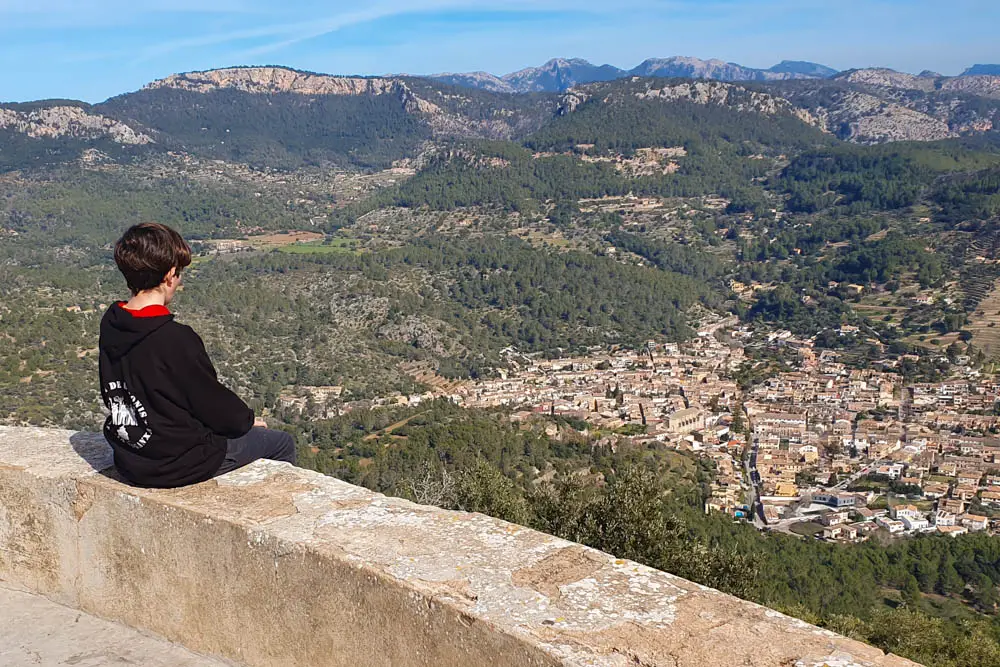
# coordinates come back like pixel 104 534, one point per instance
pixel 283 118
pixel 558 74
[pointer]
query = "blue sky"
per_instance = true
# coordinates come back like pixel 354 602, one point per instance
pixel 93 49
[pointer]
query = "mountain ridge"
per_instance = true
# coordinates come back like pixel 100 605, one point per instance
pixel 978 70
pixel 561 74
pixel 983 85
pixel 281 117
pixel 273 79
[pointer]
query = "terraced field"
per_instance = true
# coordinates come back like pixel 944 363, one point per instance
pixel 984 323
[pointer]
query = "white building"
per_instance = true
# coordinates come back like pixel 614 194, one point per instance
pixel 894 527
pixel 973 522
pixel 942 518
pixel 915 524
pixel 900 512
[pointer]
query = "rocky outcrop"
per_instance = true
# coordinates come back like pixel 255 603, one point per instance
pixel 424 333
pixel 271 80
pixel 887 78
pixel 570 101
pixel 873 111
pixel 725 94
pixel 983 86
pixel 414 103
pixel 867 119
pixel 266 80
pixel 68 121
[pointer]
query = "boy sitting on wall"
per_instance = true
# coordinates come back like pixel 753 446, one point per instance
pixel 172 422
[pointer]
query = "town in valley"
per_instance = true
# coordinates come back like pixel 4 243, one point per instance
pixel 823 449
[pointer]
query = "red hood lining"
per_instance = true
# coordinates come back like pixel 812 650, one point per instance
pixel 155 310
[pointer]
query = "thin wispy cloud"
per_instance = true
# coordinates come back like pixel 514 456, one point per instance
pixel 386 10
pixel 372 13
pixel 295 33
pixel 87 15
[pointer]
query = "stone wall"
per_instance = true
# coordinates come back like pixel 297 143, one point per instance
pixel 274 565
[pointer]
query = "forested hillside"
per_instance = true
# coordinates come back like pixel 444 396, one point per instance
pixel 624 116
pixel 887 177
pixel 282 118
pixel 283 131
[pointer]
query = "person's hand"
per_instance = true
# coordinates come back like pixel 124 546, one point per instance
pixel 258 421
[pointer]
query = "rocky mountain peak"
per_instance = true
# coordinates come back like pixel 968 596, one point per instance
pixel 560 74
pixel 556 63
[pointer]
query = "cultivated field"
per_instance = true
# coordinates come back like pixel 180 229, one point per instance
pixel 269 241
pixel 984 323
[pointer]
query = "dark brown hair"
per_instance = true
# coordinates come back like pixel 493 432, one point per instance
pixel 145 254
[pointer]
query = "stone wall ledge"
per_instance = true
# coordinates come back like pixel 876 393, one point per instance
pixel 275 565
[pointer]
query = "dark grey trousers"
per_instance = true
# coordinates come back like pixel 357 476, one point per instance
pixel 258 443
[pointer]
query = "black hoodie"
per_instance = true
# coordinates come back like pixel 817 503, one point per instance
pixel 170 416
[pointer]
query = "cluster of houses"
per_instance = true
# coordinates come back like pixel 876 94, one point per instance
pixel 816 431
pixel 849 519
pixel 825 435
pixel 826 427
pixel 680 395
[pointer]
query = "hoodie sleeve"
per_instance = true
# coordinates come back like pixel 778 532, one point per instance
pixel 211 402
